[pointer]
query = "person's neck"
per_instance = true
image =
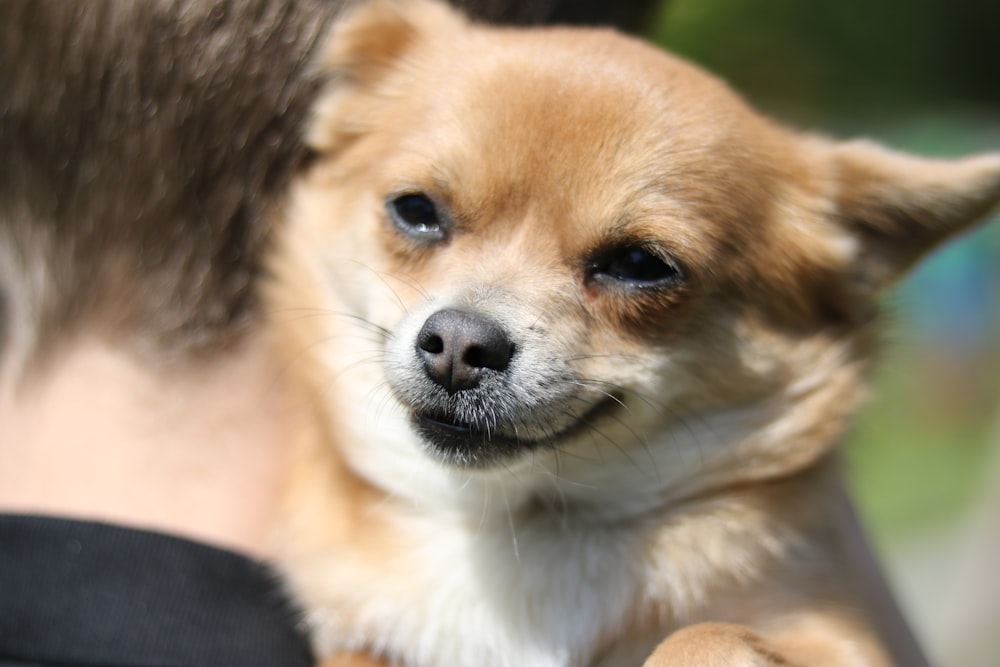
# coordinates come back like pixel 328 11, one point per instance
pixel 198 453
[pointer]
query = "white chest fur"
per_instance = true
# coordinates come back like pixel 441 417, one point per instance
pixel 535 594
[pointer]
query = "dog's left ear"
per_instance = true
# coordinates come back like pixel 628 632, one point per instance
pixel 371 41
pixel 898 207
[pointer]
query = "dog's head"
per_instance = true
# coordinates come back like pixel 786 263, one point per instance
pixel 568 251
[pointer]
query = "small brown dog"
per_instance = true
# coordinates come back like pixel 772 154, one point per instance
pixel 582 332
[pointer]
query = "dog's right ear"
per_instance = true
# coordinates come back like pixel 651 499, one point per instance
pixel 369 43
pixel 898 207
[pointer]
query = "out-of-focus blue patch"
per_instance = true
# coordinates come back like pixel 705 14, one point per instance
pixel 953 298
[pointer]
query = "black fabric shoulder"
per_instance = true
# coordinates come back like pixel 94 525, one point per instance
pixel 83 593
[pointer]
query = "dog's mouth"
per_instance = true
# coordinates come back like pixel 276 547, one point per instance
pixel 484 443
pixel 444 423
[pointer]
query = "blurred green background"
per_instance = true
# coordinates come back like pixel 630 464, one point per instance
pixel 921 75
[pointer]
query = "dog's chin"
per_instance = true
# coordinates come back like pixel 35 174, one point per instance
pixel 472 446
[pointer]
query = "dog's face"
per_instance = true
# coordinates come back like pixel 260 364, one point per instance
pixel 580 255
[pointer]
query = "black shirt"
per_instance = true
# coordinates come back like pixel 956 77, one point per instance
pixel 85 593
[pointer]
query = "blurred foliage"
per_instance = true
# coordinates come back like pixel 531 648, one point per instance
pixel 922 75
pixel 827 54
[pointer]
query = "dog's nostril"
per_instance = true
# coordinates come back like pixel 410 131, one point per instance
pixel 457 346
pixel 495 354
pixel 431 343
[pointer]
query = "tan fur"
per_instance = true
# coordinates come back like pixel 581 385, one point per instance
pixel 698 503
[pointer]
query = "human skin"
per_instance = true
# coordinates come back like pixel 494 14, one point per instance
pixel 192 450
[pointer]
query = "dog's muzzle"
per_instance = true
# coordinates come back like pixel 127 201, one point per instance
pixel 465 357
pixel 478 395
pixel 457 347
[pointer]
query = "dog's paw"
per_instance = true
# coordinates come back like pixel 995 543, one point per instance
pixel 716 645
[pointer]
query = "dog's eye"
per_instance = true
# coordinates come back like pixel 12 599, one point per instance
pixel 634 266
pixel 417 216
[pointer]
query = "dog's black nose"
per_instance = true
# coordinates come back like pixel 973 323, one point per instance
pixel 457 346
